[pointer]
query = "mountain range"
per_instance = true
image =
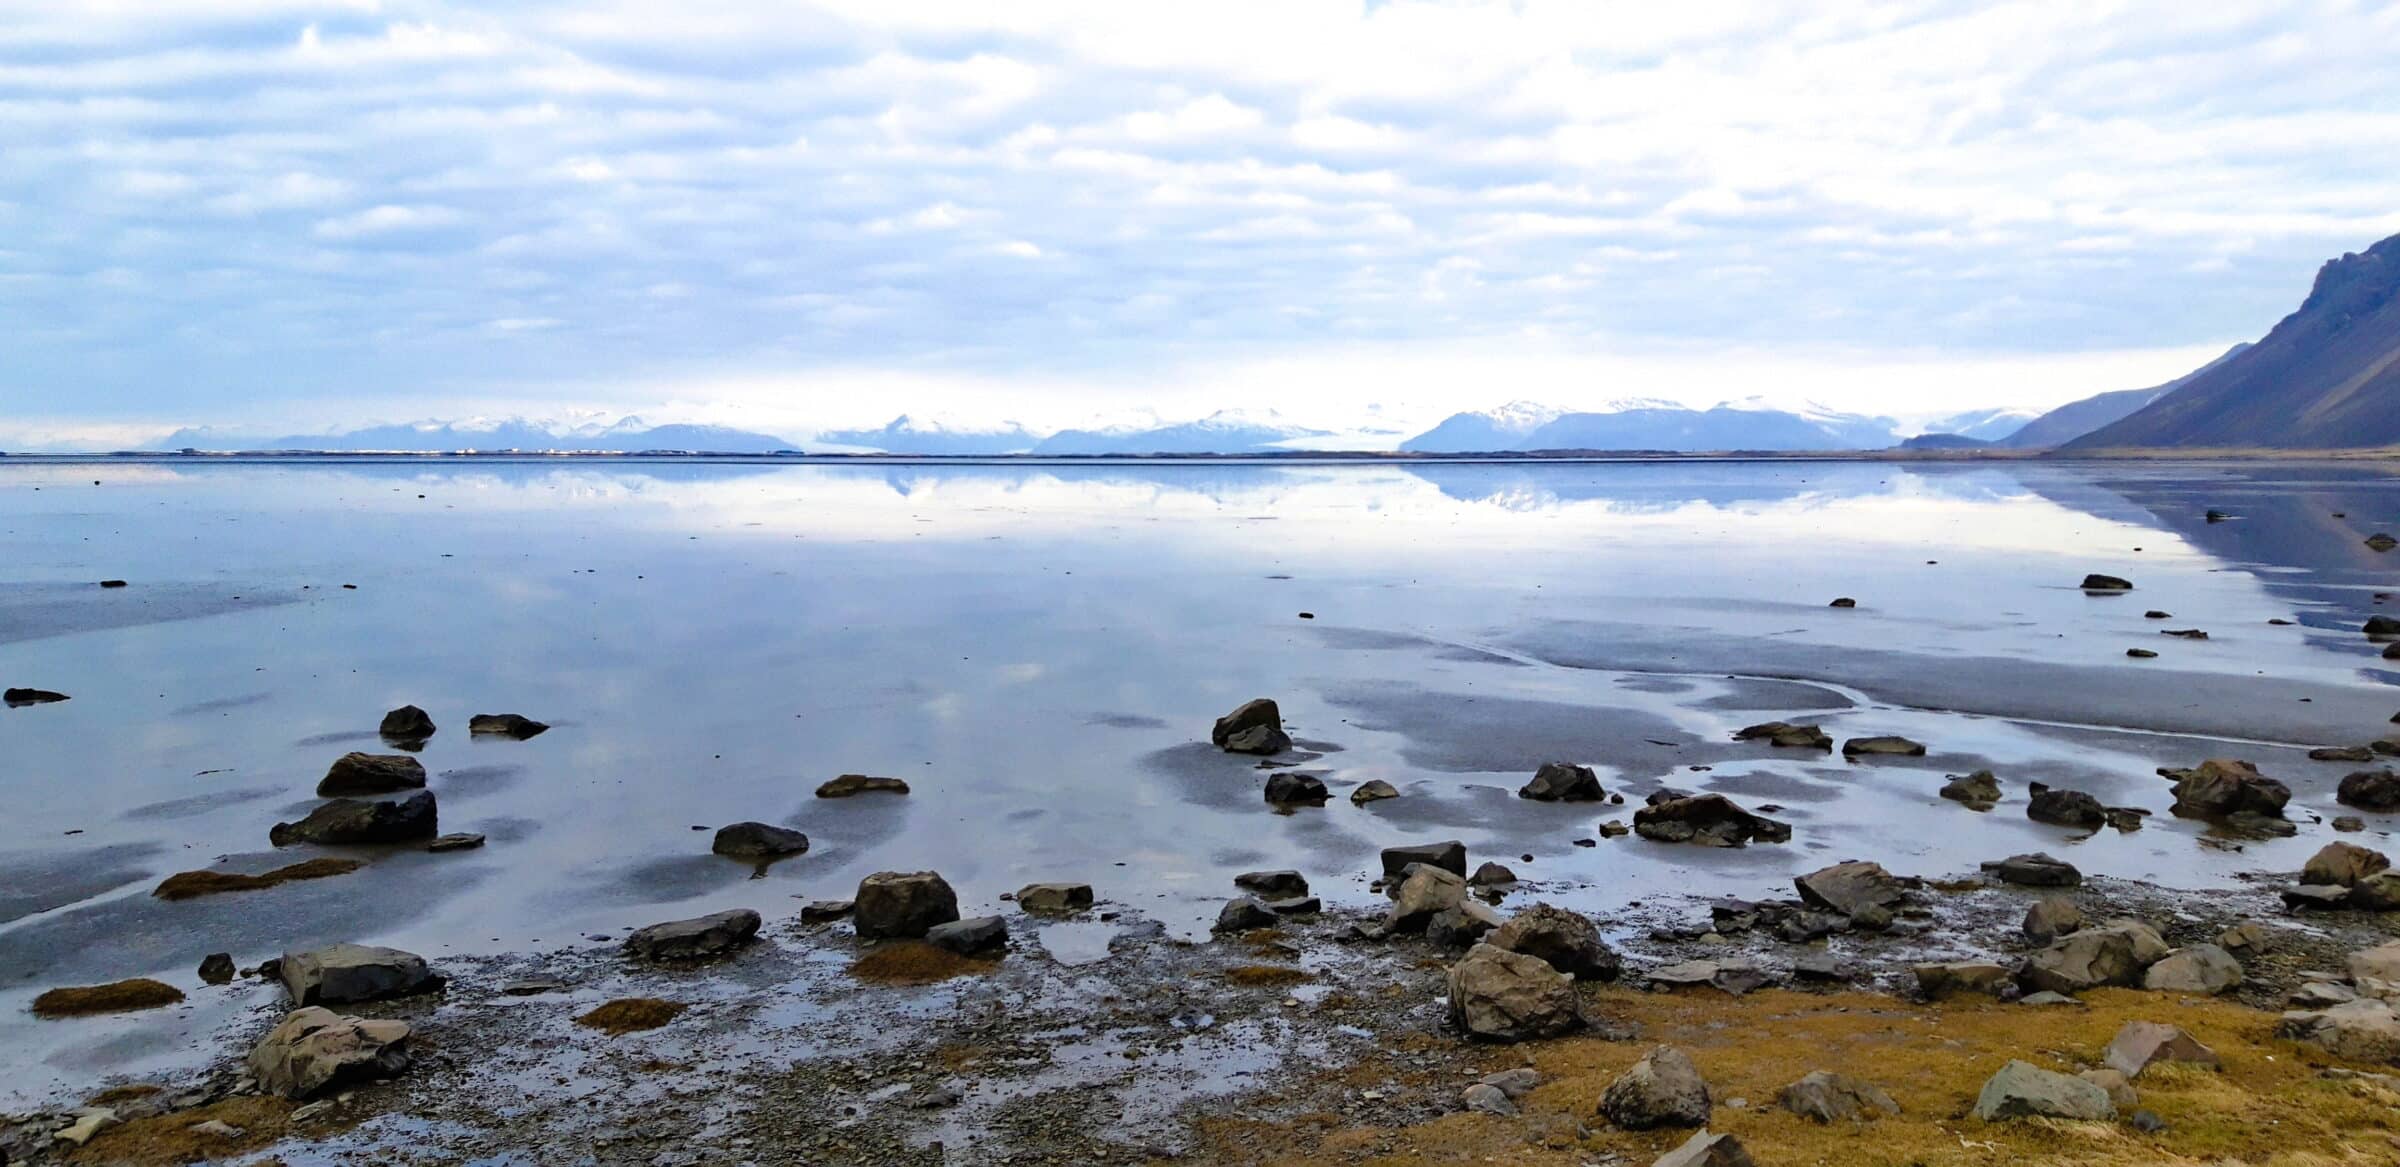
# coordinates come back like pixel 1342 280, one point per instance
pixel 625 437
pixel 1642 424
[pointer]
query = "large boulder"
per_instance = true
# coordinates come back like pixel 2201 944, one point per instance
pixel 758 841
pixel 2197 968
pixel 1852 888
pixel 1462 925
pixel 1786 735
pixel 2343 863
pixel 406 724
pixel 1664 1089
pixel 700 936
pixel 1566 941
pixel 313 1048
pixel 2222 787
pixel 2023 1090
pixel 2114 954
pixel 2065 808
pixel 1498 995
pixel 351 821
pixel 1828 1097
pixel 1707 1150
pixel 1710 820
pixel 341 973
pixel 2035 870
pixel 1424 893
pixel 902 905
pixel 2143 1044
pixel 1451 855
pixel 1243 914
pixel 1563 782
pixel 1883 745
pixel 2365 1030
pixel 1254 727
pixel 2377 790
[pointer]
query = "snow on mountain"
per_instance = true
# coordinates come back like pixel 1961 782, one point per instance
pixel 1224 432
pixel 1984 425
pixel 1483 430
pixel 912 435
pixel 495 434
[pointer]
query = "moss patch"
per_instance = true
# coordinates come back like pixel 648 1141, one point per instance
pixel 184 885
pixel 628 1014
pixel 914 962
pixel 1266 975
pixel 117 997
pixel 166 1139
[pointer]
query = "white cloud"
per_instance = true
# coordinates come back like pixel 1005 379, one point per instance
pixel 386 219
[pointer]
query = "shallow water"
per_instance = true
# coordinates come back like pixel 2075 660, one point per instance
pixel 1040 649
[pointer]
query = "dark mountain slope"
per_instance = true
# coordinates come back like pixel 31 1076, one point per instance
pixel 2077 418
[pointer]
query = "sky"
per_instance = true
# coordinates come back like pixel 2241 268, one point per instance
pixel 289 216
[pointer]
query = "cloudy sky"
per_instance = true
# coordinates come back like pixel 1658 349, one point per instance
pixel 284 215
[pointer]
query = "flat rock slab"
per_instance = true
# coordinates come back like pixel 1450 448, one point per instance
pixel 697 937
pixel 2024 1090
pixel 354 972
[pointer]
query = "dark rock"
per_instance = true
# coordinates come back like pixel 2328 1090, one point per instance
pixel 694 938
pixel 969 937
pixel 513 725
pixel 1843 602
pixel 462 841
pixel 1295 906
pixel 1563 782
pixel 1565 940
pixel 2224 787
pixel 2376 790
pixel 2096 582
pixel 349 821
pixel 2034 870
pixel 2052 917
pixel 406 724
pixel 354 972
pixel 826 911
pixel 1786 734
pixel 2184 633
pixel 2341 754
pixel 1710 820
pixel 1055 898
pixel 1451 856
pixel 2316 897
pixel 1290 789
pixel 1243 915
pixel 758 841
pixel 356 773
pixel 903 905
pixel 2140 653
pixel 2065 808
pixel 1460 925
pixel 1273 885
pixel 112 583
pixel 1979 790
pixel 2216 516
pixel 2382 626
pixel 1491 875
pixel 1664 1089
pixel 1852 887
pixel 17 697
pixel 2381 541
pixel 1372 790
pixel 1256 727
pixel 850 784
pixel 1886 745
pixel 217 968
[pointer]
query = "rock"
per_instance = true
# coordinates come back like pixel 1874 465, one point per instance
pixel 2034 870
pixel 1487 1099
pixel 692 939
pixel 1710 820
pixel 356 773
pixel 1372 790
pixel 217 968
pixel 2113 954
pixel 2021 1090
pixel 2320 995
pixel 2247 939
pixel 1055 898
pixel 1243 915
pixel 848 785
pixel 2065 808
pixel 1939 980
pixel 1451 856
pixel 1843 602
pixel 2120 1091
pixel 826 911
pixel 1852 887
pixel 1664 1089
pixel 343 973
pixel 1563 782
pixel 406 724
pixel 2143 1044
pixel 1564 940
pixel 969 937
pixel 1706 1150
pixel 1273 885
pixel 758 841
pixel 1614 829
pixel 1786 735
pixel 1256 727
pixel 1290 789
pixel 462 841
pixel 2051 918
pixel 533 986
pixel 350 821
pixel 2343 863
pixel 1516 1083
pixel 2382 626
pixel 2341 754
pixel 313 1048
pixel 216 1129
pixel 1684 974
pixel 1460 925
pixel 2380 963
pixel 2141 654
pixel 1497 995
pixel 2216 516
pixel 2381 541
pixel 1828 1098
pixel 2317 897
pixel 1886 746
pixel 2349 822
pixel 1491 875
pixel 2376 790
pixel 1821 967
pixel 2047 998
pixel 17 697
pixel 2221 787
pixel 1979 790
pixel 89 1122
pixel 1295 906
pixel 505 725
pixel 1424 892
pixel 2096 582
pixel 902 904
pixel 2358 1031
pixel 2379 892
pixel 2184 633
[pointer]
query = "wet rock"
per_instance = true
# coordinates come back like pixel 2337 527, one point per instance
pixel 351 821
pixel 2343 863
pixel 2143 1044
pixel 2376 790
pixel 1706 1150
pixel 2341 754
pixel 1828 1098
pixel 356 773
pixel 1787 735
pixel 902 905
pixel 758 841
pixel 1564 940
pixel 217 968
pixel 2316 897
pixel 1563 782
pixel 1664 1089
pixel 1243 915
pixel 2196 968
pixel 1979 790
pixel 1295 906
pixel 1290 789
pixel 1497 995
pixel 1710 820
pixel 1487 1099
pixel 848 785
pixel 1255 727
pixel 1843 602
pixel 1422 893
pixel 2222 787
pixel 2349 822
pixel 2064 808
pixel 2113 954
pixel 1461 925
pixel 2022 1090
pixel 2379 892
pixel 2155 614
pixel 510 725
pixel 342 973
pixel 406 724
pixel 2051 918
pixel 1949 978
pixel 1614 829
pixel 1055 898
pixel 2034 870
pixel 826 911
pixel 1886 745
pixel 2358 1031
pixel 533 986
pixel 2381 541
pixel 462 841
pixel 1491 875
pixel 2097 582
pixel 19 697
pixel 970 937
pixel 2141 654
pixel 2382 626
pixel 700 936
pixel 1372 790
pixel 1273 885
pixel 2184 633
pixel 1451 856
pixel 1851 888
pixel 312 1049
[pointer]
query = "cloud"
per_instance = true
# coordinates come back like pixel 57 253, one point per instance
pixel 384 220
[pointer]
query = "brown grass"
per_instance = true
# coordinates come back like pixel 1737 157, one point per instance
pixel 185 885
pixel 1266 976
pixel 167 1139
pixel 115 997
pixel 2269 1107
pixel 629 1014
pixel 914 962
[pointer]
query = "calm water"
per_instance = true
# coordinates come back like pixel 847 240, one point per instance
pixel 1040 650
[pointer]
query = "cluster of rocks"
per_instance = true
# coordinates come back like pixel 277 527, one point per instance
pixel 2345 875
pixel 1254 727
pixel 1710 820
pixel 2233 793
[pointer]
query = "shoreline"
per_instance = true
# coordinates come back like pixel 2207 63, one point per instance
pixel 2369 455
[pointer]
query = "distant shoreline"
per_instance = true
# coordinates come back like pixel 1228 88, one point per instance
pixel 1298 457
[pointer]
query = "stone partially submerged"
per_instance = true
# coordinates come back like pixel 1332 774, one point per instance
pixel 1563 782
pixel 2064 808
pixel 1451 855
pixel 696 938
pixel 2345 864
pixel 1709 820
pixel 1978 791
pixel 1883 745
pixel 357 773
pixel 2037 869
pixel 2227 787
pixel 1786 735
pixel 2375 790
pixel 351 821
pixel 1498 995
pixel 849 785
pixel 508 725
pixel 312 1049
pixel 758 841
pixel 1254 727
pixel 406 724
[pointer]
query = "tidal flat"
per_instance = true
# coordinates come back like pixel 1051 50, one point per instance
pixel 1040 651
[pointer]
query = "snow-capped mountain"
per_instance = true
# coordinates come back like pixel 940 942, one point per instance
pixel 1984 425
pixel 1484 429
pixel 1651 424
pixel 911 435
pixel 630 435
pixel 1223 432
